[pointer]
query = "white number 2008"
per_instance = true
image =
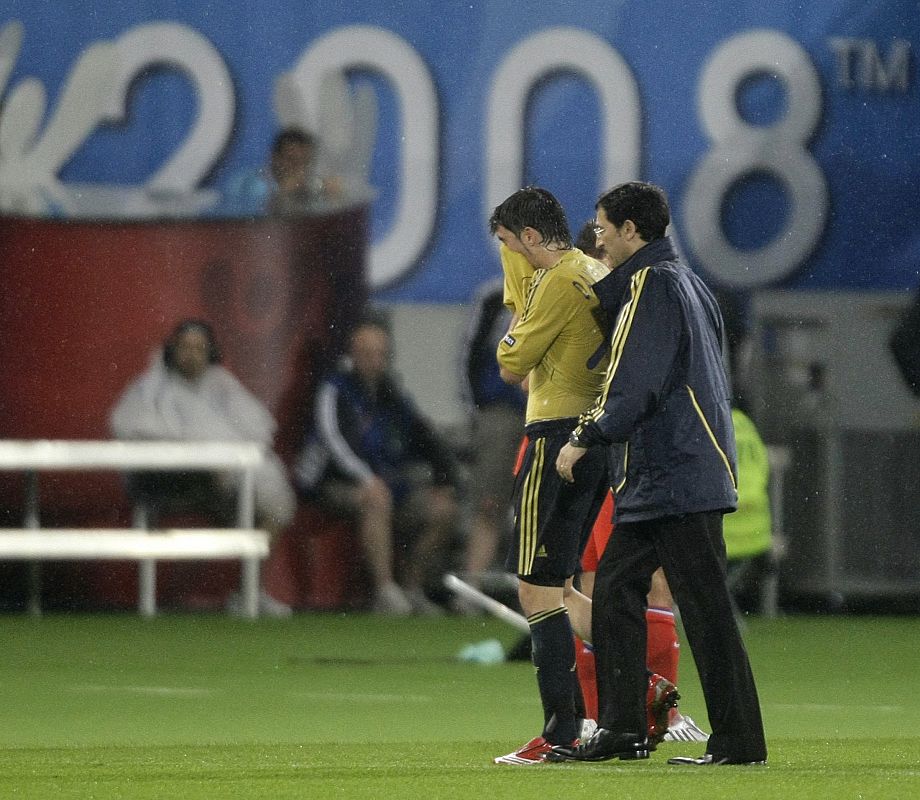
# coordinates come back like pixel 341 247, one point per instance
pixel 739 148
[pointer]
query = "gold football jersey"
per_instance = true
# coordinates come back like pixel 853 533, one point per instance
pixel 561 326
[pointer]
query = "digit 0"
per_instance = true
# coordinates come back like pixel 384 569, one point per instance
pixel 386 54
pixel 545 53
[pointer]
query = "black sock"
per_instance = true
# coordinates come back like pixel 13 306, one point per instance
pixel 554 660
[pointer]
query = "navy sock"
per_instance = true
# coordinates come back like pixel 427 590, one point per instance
pixel 554 660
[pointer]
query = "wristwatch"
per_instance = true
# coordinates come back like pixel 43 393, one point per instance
pixel 575 441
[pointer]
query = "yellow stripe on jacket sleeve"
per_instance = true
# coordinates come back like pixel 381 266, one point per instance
pixel 618 340
pixel 712 437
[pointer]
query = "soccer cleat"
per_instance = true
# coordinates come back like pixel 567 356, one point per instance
pixel 534 752
pixel 684 729
pixel 661 697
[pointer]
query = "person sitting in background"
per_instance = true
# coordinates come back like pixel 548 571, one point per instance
pixel 496 411
pixel 373 457
pixel 186 395
pixel 289 184
pixel 295 183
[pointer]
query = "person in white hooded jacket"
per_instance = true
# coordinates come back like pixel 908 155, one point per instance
pixel 186 395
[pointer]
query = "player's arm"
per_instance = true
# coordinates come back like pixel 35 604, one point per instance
pixel 550 305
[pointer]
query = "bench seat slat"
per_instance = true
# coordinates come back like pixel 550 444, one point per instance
pixel 174 544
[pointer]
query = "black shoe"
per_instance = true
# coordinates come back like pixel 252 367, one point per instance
pixel 602 746
pixel 709 760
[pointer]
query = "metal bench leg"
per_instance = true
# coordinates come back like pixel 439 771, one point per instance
pixel 147 587
pixel 32 522
pixel 250 587
pixel 35 588
pixel 146 569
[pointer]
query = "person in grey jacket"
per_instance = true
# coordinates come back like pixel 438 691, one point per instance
pixel 667 398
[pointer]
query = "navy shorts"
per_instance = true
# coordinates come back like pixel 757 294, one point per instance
pixel 552 518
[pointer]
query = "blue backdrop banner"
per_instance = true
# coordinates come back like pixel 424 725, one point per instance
pixel 787 135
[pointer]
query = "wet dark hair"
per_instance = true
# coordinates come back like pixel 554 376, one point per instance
pixel 292 136
pixel 644 203
pixel 169 347
pixel 533 207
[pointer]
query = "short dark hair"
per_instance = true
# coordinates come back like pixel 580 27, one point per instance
pixel 586 241
pixel 644 203
pixel 533 207
pixel 169 348
pixel 288 136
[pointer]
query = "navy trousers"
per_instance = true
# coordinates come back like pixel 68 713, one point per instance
pixel 691 550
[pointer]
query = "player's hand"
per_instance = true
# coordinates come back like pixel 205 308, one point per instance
pixel 566 461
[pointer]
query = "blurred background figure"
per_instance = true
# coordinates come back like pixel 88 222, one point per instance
pixel 296 184
pixel 587 241
pixel 186 395
pixel 290 183
pixel 372 457
pixel 748 532
pixel 496 414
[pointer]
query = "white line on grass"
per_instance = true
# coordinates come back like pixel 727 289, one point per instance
pixel 835 707
pixel 371 698
pixel 165 691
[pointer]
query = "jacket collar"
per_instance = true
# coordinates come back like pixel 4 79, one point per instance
pixel 610 290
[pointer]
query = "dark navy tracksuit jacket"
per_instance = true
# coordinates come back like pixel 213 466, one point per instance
pixel 666 395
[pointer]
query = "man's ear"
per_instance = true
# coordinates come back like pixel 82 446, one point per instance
pixel 629 230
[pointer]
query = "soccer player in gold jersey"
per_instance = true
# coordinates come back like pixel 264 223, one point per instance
pixel 558 328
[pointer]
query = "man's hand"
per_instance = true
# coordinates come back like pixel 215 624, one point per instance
pixel 568 458
pixel 511 377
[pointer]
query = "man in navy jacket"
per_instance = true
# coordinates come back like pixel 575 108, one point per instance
pixel 667 398
pixel 371 455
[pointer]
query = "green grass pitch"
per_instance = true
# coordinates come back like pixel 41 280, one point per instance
pixel 335 706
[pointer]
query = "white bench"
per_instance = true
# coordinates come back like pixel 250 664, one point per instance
pixel 102 544
pixel 34 543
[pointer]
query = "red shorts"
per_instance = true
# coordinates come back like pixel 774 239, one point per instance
pixel 600 534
